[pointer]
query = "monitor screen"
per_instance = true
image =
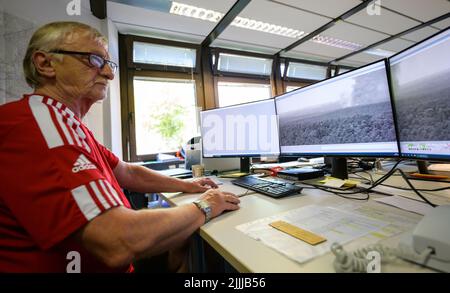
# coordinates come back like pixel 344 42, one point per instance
pixel 420 79
pixel 347 115
pixel 244 130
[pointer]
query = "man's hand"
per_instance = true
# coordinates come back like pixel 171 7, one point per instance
pixel 200 185
pixel 220 201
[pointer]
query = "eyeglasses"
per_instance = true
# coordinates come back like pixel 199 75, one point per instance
pixel 95 60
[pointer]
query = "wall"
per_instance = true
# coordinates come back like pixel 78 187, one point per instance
pixel 19 19
pixel 2 59
pixel 111 106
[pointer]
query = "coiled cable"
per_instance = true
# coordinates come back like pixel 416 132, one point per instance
pixel 356 261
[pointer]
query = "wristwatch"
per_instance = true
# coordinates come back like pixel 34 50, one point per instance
pixel 204 206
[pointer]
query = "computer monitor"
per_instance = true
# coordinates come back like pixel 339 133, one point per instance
pixel 347 115
pixel 245 130
pixel 420 81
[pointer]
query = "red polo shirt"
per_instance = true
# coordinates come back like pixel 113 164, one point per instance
pixel 55 178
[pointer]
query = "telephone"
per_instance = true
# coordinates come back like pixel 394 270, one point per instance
pixel 432 232
pixel 427 245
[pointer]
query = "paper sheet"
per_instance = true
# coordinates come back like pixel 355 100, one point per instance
pixel 407 204
pixel 334 224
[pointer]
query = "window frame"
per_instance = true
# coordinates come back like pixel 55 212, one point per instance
pixel 134 69
pixel 302 80
pixel 236 79
pixel 217 72
pixel 146 66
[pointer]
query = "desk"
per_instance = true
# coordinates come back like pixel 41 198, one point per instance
pixel 248 255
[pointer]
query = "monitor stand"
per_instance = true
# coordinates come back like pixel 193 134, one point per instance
pixel 244 169
pixel 339 168
pixel 425 174
pixel 245 165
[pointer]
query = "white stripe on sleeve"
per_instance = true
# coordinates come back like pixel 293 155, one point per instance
pixel 85 202
pixel 107 192
pixel 99 195
pixel 63 126
pixel 114 193
pixel 42 116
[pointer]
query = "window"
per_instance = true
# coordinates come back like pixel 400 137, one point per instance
pixel 306 71
pixel 241 77
pixel 244 64
pixel 161 89
pixel 232 93
pixel 163 55
pixel 165 114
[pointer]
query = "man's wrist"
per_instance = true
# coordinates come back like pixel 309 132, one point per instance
pixel 205 208
pixel 186 186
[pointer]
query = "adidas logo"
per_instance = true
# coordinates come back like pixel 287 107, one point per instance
pixel 82 163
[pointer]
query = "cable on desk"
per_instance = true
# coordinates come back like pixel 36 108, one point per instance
pixel 356 261
pixel 246 192
pixel 343 194
pixel 399 187
pixel 375 184
pixel 417 191
pixel 414 189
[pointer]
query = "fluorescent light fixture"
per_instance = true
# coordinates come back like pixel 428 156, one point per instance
pixel 195 12
pixel 266 27
pixel 337 43
pixel 247 23
pixel 242 22
pixel 379 52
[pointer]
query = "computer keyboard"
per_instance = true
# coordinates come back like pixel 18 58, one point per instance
pixel 267 187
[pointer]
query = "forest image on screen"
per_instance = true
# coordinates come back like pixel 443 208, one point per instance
pixel 421 87
pixel 352 109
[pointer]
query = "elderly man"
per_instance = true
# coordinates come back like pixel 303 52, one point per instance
pixel 61 194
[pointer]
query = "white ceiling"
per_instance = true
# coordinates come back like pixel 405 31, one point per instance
pixel 395 45
pixel 420 34
pixel 327 53
pixel 305 15
pixel 443 24
pixel 155 23
pixel 330 8
pixel 353 33
pixel 361 58
pixel 387 21
pixel 423 10
pixel 273 13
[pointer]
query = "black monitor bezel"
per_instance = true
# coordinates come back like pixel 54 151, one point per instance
pixel 397 128
pixel 345 155
pixel 240 155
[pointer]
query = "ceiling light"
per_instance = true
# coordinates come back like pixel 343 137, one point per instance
pixel 195 12
pixel 242 22
pixel 252 24
pixel 330 41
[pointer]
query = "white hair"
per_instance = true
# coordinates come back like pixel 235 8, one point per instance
pixel 49 37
